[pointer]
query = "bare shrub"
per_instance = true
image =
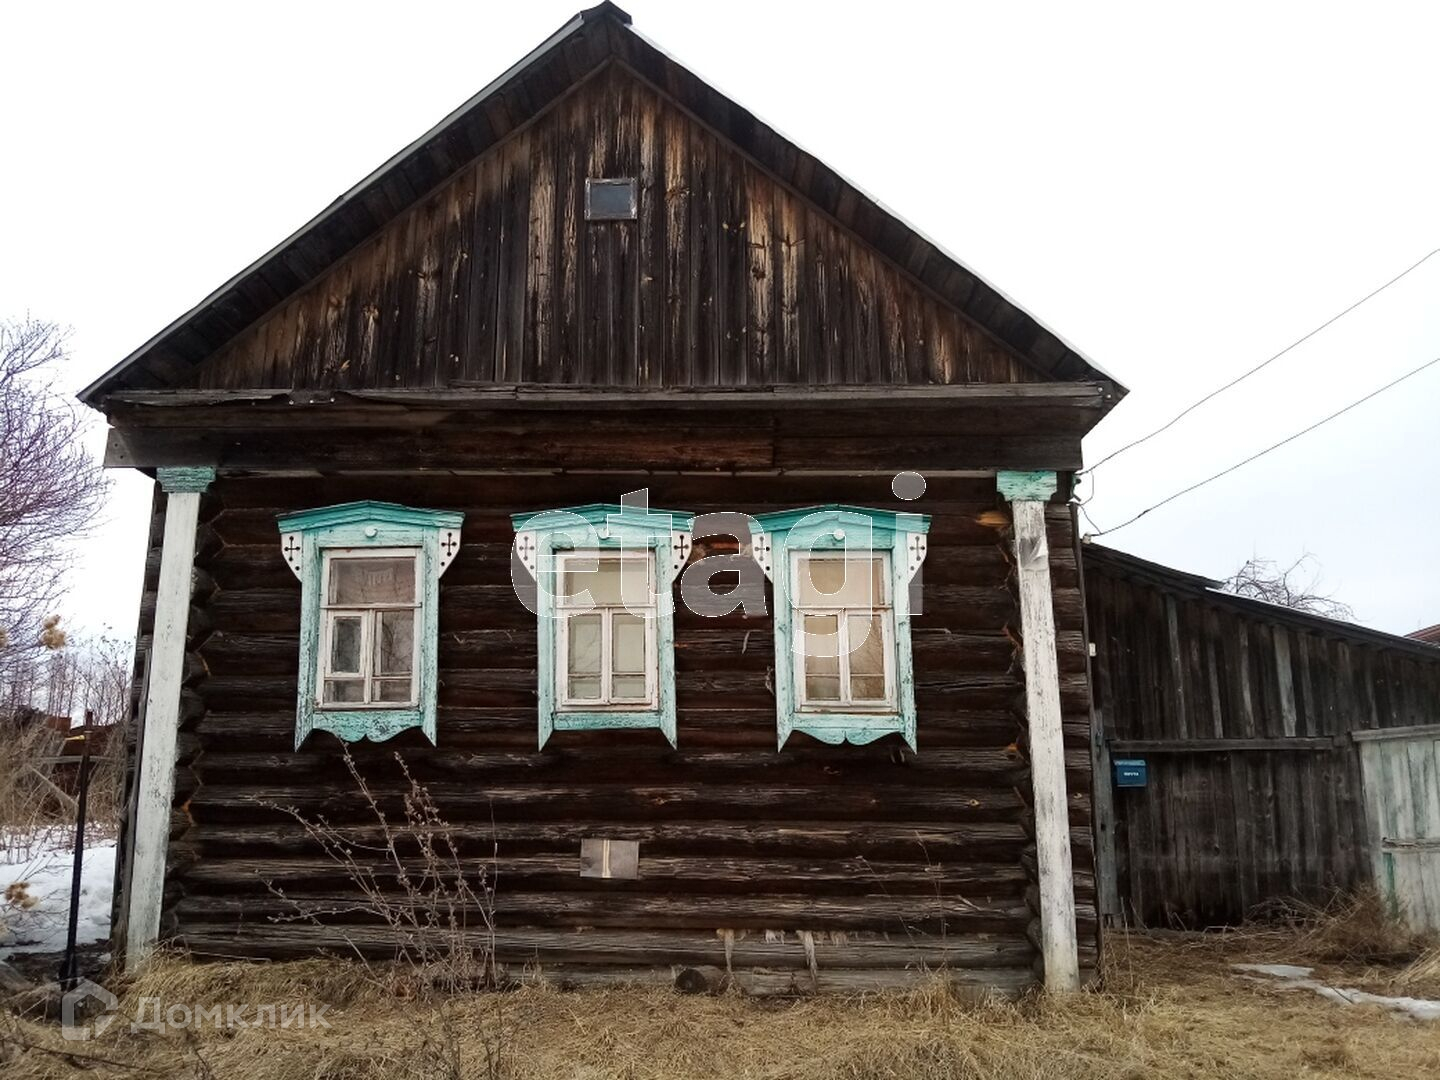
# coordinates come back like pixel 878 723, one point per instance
pixel 35 814
pixel 40 760
pixel 437 908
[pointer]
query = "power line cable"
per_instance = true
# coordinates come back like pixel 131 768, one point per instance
pixel 1261 366
pixel 1261 453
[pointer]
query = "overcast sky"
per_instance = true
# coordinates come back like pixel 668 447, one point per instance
pixel 1178 191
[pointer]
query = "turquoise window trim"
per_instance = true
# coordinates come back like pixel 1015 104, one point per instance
pixel 853 530
pixel 357 526
pixel 599 527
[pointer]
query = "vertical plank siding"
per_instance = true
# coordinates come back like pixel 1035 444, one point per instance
pixel 726 278
pixel 1402 779
pixel 1219 832
pixel 883 857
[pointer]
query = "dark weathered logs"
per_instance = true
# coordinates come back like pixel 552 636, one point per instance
pixel 928 846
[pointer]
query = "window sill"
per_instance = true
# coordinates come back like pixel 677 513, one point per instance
pixel 375 724
pixel 601 720
pixel 856 728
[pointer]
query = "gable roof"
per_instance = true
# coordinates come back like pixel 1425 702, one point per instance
pixel 585 43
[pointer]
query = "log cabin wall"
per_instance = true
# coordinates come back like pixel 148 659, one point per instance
pixel 1243 712
pixel 453 333
pixel 812 867
pixel 727 277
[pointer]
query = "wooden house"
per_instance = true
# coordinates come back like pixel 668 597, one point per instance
pixel 1248 754
pixel 408 465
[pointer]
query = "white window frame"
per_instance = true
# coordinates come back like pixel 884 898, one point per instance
pixel 885 608
pixel 566 609
pixel 369 612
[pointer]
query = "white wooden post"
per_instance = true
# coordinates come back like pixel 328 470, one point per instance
pixel 1027 493
pixel 155 781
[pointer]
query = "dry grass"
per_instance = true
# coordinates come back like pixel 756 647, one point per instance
pixel 1172 1008
pixel 1351 928
pixel 1421 977
pixel 33 819
pixel 1352 939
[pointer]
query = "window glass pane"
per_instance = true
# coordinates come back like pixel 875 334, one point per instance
pixel 867 688
pixel 627 643
pixel 822 645
pixel 628 687
pixel 609 580
pixel 867 645
pixel 372 581
pixel 392 690
pixel 579 573
pixel 601 577
pixel 339 691
pixel 345 634
pixel 584 644
pixel 394 642
pixel 848 582
pixel 822 687
pixel 585 688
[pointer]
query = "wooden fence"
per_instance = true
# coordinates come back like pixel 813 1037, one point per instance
pixel 1243 713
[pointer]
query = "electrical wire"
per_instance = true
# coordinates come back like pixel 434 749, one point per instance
pixel 1262 365
pixel 1261 453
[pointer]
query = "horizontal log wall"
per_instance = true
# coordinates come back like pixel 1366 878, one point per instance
pixel 885 860
pixel 1243 716
pixel 726 278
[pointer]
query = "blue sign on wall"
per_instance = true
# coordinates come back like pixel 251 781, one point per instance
pixel 1130 772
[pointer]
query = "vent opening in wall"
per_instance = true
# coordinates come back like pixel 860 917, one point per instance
pixel 610 200
pixel 601 858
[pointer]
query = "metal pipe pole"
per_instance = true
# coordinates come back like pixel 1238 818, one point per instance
pixel 67 965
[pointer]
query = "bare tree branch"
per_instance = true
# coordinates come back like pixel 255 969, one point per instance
pixel 50 489
pixel 1295 586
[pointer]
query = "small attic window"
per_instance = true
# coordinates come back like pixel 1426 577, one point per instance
pixel 610 200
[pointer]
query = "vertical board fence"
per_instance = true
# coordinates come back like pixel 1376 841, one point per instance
pixel 1402 785
pixel 1245 715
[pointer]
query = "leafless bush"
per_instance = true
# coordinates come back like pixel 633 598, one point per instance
pixel 40 765
pixel 49 490
pixel 90 676
pixel 438 908
pixel 1295 586
pixel 36 815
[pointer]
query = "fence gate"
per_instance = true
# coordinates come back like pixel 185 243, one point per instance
pixel 1402 801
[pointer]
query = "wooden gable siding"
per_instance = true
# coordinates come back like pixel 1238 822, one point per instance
pixel 1243 713
pixel 727 278
pixel 893 862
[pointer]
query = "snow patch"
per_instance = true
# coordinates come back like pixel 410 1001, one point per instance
pixel 1292 977
pixel 35 898
pixel 1280 971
